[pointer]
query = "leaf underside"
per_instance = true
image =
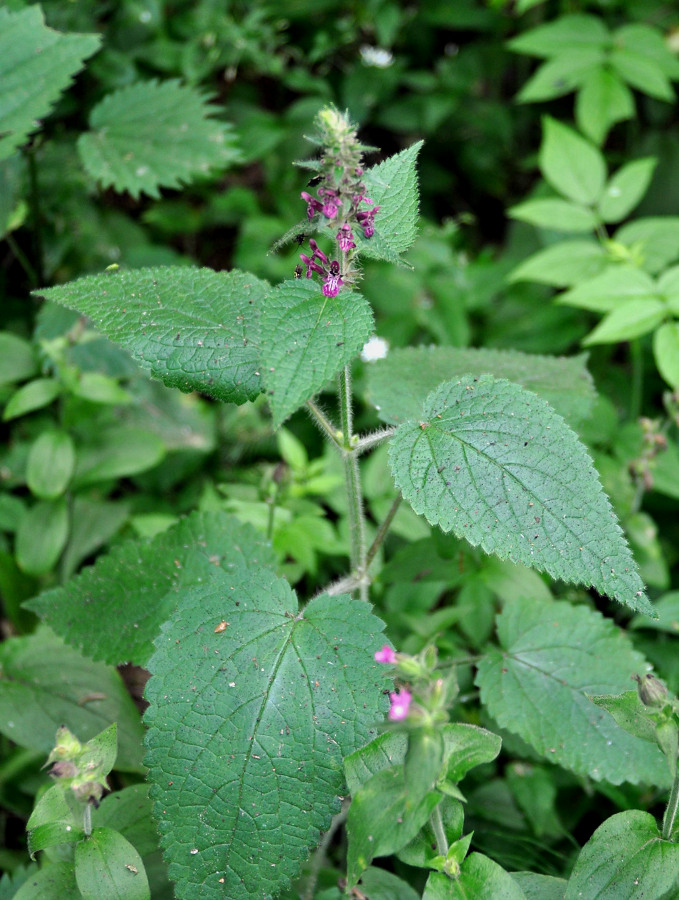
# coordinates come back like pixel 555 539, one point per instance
pixel 248 728
pixel 194 329
pixel 135 587
pixel 496 465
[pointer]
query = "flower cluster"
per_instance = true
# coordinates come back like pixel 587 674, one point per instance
pixel 424 699
pixel 332 280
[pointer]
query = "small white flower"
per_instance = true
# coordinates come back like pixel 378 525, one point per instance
pixel 377 57
pixel 376 348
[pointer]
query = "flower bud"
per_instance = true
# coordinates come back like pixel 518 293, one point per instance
pixel 652 692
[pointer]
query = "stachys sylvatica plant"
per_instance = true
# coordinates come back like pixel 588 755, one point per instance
pixel 274 718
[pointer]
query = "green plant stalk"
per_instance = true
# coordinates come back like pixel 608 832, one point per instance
pixel 325 425
pixel 352 481
pixel 671 810
pixel 87 820
pixel 637 389
pixel 436 821
pixel 34 203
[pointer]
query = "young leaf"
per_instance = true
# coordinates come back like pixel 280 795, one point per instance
pixel 666 352
pixel 480 879
pixel 629 712
pixel 642 73
pixel 626 189
pixel 150 135
pixel 392 185
pixel 557 215
pixel 136 585
pixel 41 536
pixel 656 238
pixel 52 822
pixel 194 329
pixel 602 101
pixel 36 65
pixel 574 32
pixel 551 657
pixel 17 359
pixel 468 746
pixel 248 727
pixel 626 859
pixel 36 394
pixel 45 684
pixel 573 166
pixel 306 338
pixel 107 865
pixel 491 462
pixel 562 264
pixel 50 464
pixel 398 384
pixel 628 321
pixel 384 816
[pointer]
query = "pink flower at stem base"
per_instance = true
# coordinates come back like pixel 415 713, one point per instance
pixel 400 704
pixel 386 655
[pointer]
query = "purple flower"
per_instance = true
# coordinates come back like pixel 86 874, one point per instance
pixel 313 205
pixel 345 238
pixel 400 704
pixel 331 285
pixel 311 265
pixel 366 219
pixel 330 209
pixel 318 253
pixel 386 655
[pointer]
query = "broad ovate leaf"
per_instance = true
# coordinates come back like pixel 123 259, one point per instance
pixel 571 164
pixel 134 588
pixel 496 465
pixel 154 134
pixel 480 878
pixel 248 724
pixel 398 384
pixel 194 329
pixel 552 656
pixel 306 338
pixel 36 65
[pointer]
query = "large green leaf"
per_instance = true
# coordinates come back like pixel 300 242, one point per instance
pixel 248 727
pixel 572 165
pixel 151 135
pixel 551 656
pixel 36 65
pixel 107 865
pixel 573 32
pixel 602 101
pixel 496 465
pixel 134 588
pixel 398 384
pixel 540 887
pixel 194 329
pixel 45 684
pixel 480 879
pixel 562 264
pixel 626 859
pixel 306 338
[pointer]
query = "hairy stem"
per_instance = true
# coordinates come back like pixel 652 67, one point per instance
pixel 382 532
pixel 436 821
pixel 352 480
pixel 325 425
pixel 671 810
pixel 372 440
pixel 87 820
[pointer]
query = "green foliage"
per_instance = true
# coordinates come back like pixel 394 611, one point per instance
pixel 270 746
pixel 37 64
pixel 495 465
pixel 152 135
pixel 479 877
pixel 107 863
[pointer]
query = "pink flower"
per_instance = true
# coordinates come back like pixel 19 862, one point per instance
pixel 400 704
pixel 386 655
pixel 331 285
pixel 345 238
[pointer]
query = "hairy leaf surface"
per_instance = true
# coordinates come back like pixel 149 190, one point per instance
pixel 134 588
pixel 307 338
pixel 194 329
pixel 248 727
pixel 36 65
pixel 398 384
pixel 552 656
pixel 150 135
pixel 496 465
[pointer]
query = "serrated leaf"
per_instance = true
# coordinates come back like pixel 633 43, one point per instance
pixel 480 879
pixel 626 859
pixel 306 338
pixel 605 292
pixel 562 264
pixel 398 384
pixel 656 238
pixel 154 134
pixel 575 32
pixel 392 185
pixel 248 727
pixel 666 352
pixel 107 865
pixel 36 65
pixel 626 189
pixel 45 684
pixel 194 329
pixel 557 215
pixel 627 321
pixel 136 585
pixel 496 465
pixel 551 657
pixel 602 101
pixel 571 164
pixel 561 75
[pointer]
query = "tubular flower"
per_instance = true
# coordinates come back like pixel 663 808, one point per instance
pixel 400 704
pixel 386 655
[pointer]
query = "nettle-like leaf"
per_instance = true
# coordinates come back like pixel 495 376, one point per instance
pixel 135 587
pixel 398 384
pixel 248 724
pixel 151 135
pixel 626 859
pixel 306 338
pixel 551 657
pixel 393 186
pixel 36 65
pixel 194 329
pixel 496 465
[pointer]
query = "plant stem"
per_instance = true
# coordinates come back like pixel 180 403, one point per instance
pixel 372 440
pixel 23 260
pixel 352 480
pixel 382 532
pixel 87 820
pixel 325 425
pixel 34 202
pixel 318 858
pixel 437 824
pixel 637 388
pixel 671 809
